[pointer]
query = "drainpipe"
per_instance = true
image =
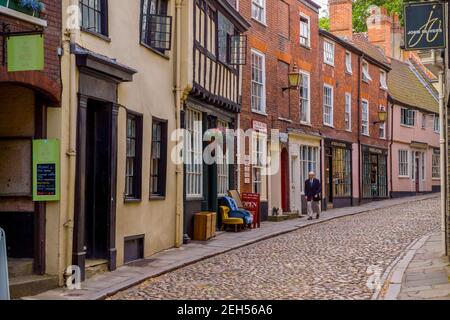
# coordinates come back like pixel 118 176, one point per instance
pixel 360 167
pixel 178 97
pixel 71 151
pixel 442 119
pixel 391 144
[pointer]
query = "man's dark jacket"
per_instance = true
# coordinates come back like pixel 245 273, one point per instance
pixel 313 191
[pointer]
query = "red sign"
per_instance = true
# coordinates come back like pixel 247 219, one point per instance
pixel 252 203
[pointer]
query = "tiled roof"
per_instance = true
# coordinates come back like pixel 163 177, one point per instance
pixel 361 42
pixel 407 87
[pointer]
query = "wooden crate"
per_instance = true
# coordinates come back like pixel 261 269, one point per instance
pixel 205 226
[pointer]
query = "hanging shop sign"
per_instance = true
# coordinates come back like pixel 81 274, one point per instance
pixel 25 52
pixel 46 174
pixel 424 26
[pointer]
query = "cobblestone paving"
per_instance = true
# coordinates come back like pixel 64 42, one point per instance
pixel 323 261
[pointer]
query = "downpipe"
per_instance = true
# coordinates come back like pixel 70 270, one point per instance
pixel 443 154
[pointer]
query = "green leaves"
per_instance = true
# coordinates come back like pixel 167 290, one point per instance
pixel 360 13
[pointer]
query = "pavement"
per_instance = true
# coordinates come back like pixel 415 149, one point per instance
pixel 275 242
pixel 421 274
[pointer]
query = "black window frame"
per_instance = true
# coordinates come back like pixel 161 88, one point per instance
pixel 136 194
pixel 103 15
pixel 161 17
pixel 162 163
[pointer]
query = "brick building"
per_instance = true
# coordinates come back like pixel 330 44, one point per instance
pixel 283 34
pixel 29 108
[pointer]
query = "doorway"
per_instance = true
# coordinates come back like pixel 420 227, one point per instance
pixel 329 177
pixel 98 179
pixel 285 180
pixel 296 203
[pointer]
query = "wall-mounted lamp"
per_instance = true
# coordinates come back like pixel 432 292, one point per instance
pixel 294 79
pixel 382 117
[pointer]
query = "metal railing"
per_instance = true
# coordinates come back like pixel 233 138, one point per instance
pixel 4 280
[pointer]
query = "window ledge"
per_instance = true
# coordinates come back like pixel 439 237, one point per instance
pixel 162 55
pixel 308 47
pixel 194 198
pixel 406 126
pixel 260 113
pixel 96 34
pixel 305 123
pixel 329 63
pixel 404 177
pixel 132 200
pixel 329 125
pixel 384 88
pixel 157 198
pixel 23 16
pixel 349 73
pixel 263 23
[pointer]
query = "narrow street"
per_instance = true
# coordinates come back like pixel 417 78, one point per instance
pixel 324 261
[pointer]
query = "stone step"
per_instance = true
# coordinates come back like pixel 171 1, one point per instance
pixel 20 267
pixel 95 267
pixel 26 286
pixel 278 218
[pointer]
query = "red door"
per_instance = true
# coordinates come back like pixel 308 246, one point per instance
pixel 285 180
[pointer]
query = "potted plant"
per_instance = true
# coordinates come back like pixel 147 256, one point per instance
pixel 30 7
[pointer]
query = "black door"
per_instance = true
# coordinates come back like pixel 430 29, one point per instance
pixel 329 176
pixel 98 141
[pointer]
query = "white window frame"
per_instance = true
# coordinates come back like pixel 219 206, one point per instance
pixel 328 57
pixel 424 120
pixel 348 62
pixel 348 112
pixel 262 109
pixel 308 113
pixel 411 114
pixel 194 155
pixel 308 38
pixel 403 163
pixel 437 124
pixel 365 117
pixel 383 125
pixel 259 158
pixel 436 165
pixel 261 5
pixel 330 105
pixel 223 172
pixel 366 72
pixel 383 80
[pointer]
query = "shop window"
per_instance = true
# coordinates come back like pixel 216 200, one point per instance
pixel 309 161
pixel 133 157
pixel 158 164
pixel 194 154
pixel 94 16
pixel 222 163
pixel 436 164
pixel 342 172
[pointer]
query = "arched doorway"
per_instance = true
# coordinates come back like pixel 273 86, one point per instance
pixel 285 180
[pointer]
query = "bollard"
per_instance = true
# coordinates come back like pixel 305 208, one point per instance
pixel 4 280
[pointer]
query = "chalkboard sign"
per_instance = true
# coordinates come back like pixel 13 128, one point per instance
pixel 46 170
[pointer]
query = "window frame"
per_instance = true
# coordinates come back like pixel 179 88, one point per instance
pixel 365 72
pixel 332 53
pixel 223 169
pixel 348 64
pixel 403 172
pixel 331 106
pixel 162 163
pixel 263 8
pixel 259 157
pixel 145 42
pixel 408 116
pixel 104 15
pixel 136 194
pixel 308 114
pixel 348 111
pixel 365 121
pixel 436 124
pixel 308 25
pixel 263 98
pixel 383 80
pixel 195 154
pixel 436 165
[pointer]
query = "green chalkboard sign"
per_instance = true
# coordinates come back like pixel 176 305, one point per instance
pixel 25 53
pixel 46 173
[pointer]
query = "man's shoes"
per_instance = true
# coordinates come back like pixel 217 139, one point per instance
pixel 318 217
pixel 310 218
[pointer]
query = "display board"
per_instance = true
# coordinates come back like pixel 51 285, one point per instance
pixel 46 172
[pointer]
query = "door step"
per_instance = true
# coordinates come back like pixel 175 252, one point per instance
pixel 95 267
pixel 20 267
pixel 27 286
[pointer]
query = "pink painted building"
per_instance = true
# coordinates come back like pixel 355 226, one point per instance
pixel 414 131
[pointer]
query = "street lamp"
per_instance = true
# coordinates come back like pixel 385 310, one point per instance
pixel 382 116
pixel 293 78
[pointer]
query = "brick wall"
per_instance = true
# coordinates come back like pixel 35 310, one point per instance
pixel 341 21
pixel 48 80
pixel 279 40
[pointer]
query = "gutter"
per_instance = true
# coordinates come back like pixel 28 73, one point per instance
pixel 443 144
pixel 391 144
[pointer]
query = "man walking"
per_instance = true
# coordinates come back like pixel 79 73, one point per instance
pixel 313 194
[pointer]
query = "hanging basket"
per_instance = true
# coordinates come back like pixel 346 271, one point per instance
pixel 31 7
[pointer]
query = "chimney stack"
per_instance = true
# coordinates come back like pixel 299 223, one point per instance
pixel 341 18
pixel 384 31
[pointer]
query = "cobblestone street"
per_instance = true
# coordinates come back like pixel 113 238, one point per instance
pixel 324 261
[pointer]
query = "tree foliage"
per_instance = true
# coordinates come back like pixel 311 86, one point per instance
pixel 324 23
pixel 360 13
